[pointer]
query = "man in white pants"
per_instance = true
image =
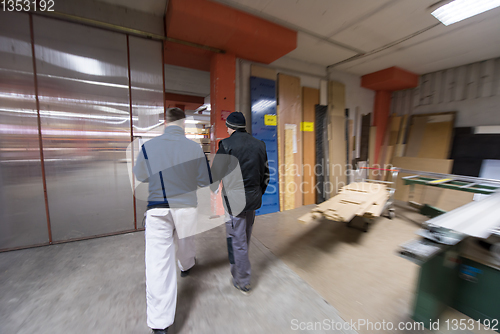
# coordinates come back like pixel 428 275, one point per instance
pixel 174 167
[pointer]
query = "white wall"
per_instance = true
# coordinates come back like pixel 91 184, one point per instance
pixel 472 90
pixel 357 97
pixel 311 75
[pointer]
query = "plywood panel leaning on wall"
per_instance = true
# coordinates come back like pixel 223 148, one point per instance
pixel 442 166
pixel 399 149
pixel 338 158
pixel 290 112
pixel 350 136
pixel 436 142
pixel 417 129
pixel 310 98
pixel 430 135
pixel 371 152
pixel 262 72
pixel 365 137
pixel 290 187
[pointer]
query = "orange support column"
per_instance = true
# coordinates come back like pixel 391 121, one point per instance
pixel 222 100
pixel 380 117
pixel 384 82
pixel 222 95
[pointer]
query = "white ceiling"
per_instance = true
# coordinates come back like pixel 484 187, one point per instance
pixel 155 7
pixel 332 31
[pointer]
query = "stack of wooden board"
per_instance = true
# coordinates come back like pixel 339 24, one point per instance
pixel 356 199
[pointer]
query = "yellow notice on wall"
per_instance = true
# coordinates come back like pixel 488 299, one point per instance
pixel 307 126
pixel 270 120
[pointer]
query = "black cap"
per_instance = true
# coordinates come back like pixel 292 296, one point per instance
pixel 236 121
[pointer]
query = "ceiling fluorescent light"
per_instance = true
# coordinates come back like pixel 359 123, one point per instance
pixel 459 10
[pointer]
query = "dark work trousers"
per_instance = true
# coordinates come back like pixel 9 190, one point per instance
pixel 238 233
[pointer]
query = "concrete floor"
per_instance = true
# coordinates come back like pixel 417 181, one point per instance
pixel 358 273
pixel 98 286
pixel 324 270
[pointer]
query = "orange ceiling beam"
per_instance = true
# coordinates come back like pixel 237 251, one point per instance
pixel 392 78
pixel 187 56
pixel 185 98
pixel 212 24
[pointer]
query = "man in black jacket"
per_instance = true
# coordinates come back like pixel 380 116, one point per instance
pixel 240 152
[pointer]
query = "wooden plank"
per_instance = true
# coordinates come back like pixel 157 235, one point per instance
pixel 398 148
pixel 289 112
pixel 415 138
pixel 436 140
pixel 351 141
pixel 403 129
pixel 323 92
pixel 365 137
pixel 337 144
pixel 262 72
pixel 281 157
pixel 451 199
pixel 388 159
pixel 377 207
pixel 290 189
pixel 394 127
pixel 336 98
pixel 337 153
pixel 383 156
pixel 310 98
pixel 368 206
pixel 395 123
pixel 371 151
pixel 308 218
pixel 357 133
pixel 351 200
pixel 419 164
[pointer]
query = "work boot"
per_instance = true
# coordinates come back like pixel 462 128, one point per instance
pixel 246 290
pixel 186 272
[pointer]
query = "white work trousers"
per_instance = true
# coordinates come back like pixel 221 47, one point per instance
pixel 161 276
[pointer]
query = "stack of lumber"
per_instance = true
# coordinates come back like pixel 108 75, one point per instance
pixel 356 199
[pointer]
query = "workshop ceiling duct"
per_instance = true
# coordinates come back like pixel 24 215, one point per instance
pixel 212 24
